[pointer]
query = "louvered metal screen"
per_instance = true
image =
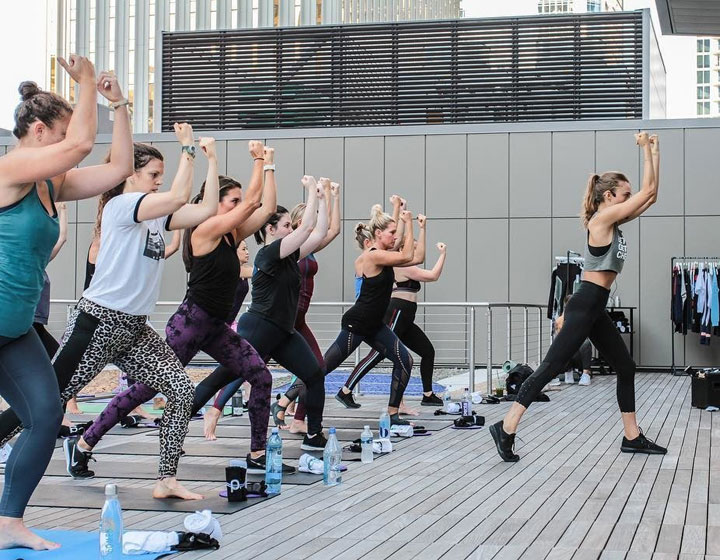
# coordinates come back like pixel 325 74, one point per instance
pixel 447 72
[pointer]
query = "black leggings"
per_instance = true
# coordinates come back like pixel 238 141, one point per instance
pixel 585 317
pixel 29 385
pixel 290 350
pixel 400 317
pixel 387 345
pixel 49 343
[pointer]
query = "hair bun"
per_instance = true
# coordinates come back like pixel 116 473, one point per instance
pixel 28 90
pixel 360 226
pixel 376 210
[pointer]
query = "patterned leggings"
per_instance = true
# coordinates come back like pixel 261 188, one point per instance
pixel 132 345
pixel 189 330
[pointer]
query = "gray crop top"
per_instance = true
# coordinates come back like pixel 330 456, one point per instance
pixel 613 259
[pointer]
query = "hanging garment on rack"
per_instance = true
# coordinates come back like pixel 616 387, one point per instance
pixel 688 302
pixel 561 272
pixel 714 309
pixel 676 303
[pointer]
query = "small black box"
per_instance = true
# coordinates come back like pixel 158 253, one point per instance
pixel 706 389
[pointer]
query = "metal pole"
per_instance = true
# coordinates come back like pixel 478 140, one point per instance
pixel 539 335
pixel 525 335
pixel 509 333
pixel 489 351
pixel 471 349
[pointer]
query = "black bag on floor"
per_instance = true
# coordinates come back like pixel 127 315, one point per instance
pixel 515 378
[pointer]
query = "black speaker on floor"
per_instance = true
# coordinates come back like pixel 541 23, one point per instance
pixel 705 387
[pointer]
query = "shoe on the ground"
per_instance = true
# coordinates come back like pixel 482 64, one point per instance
pixel 347 399
pixel 432 400
pixel 257 466
pixel 504 442
pixel 76 460
pixel 584 379
pixel 275 410
pixel 641 444
pixel 315 443
pixel 554 382
pixel 569 377
pixel 5 451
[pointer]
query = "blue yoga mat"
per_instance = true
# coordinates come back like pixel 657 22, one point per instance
pixel 76 545
pixel 371 384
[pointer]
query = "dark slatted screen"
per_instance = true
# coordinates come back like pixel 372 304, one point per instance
pixel 446 72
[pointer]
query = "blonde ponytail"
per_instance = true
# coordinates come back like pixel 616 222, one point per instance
pixel 379 220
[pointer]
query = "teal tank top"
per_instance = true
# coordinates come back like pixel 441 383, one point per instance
pixel 27 236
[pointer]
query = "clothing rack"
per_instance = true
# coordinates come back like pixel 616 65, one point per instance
pixel 673 262
pixel 571 257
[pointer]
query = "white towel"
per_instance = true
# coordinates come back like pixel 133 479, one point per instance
pixel 310 464
pixel 142 542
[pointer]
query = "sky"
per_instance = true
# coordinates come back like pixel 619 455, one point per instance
pixel 23 30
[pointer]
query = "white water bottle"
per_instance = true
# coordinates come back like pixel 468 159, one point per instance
pixel 466 403
pixel 366 442
pixel 111 526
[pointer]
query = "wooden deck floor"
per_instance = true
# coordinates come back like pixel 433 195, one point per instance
pixel 572 495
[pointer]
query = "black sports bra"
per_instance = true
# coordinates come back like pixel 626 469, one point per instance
pixel 412 286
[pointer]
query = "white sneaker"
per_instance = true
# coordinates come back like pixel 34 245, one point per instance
pixel 554 383
pixel 5 451
pixel 584 379
pixel 569 377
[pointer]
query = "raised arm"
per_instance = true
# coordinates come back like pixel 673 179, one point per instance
pixel 62 236
pixel 655 151
pixel 24 165
pixel 424 275
pixel 419 249
pixel 641 200
pixel 190 215
pixel 86 182
pixel 171 249
pixel 319 233
pixel 293 241
pixel 157 205
pixel 399 204
pixel 268 207
pixel 333 204
pixel 395 258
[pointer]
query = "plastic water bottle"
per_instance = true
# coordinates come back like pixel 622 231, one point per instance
pixel 466 403
pixel 448 399
pixel 237 404
pixel 384 430
pixel 111 526
pixel 366 442
pixel 273 463
pixel 332 457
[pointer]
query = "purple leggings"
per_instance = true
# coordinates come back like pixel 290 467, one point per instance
pixel 189 330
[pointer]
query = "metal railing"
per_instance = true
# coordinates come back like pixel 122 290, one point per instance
pixel 513 331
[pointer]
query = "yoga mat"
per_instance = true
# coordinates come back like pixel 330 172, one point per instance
pixel 93 497
pixel 196 430
pixel 109 468
pixel 120 431
pixel 356 424
pixel 236 450
pixel 76 545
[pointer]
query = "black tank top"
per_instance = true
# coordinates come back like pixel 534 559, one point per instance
pixel 89 271
pixel 366 316
pixel 241 293
pixel 411 286
pixel 214 278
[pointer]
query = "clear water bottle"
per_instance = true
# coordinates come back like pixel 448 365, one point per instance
pixel 366 442
pixel 466 403
pixel 332 457
pixel 273 463
pixel 384 430
pixel 111 526
pixel 448 400
pixel 237 403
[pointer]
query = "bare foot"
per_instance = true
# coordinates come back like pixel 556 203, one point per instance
pixel 158 403
pixel 14 534
pixel 408 411
pixel 290 411
pixel 140 411
pixel 298 427
pixel 171 488
pixel 66 422
pixel 72 407
pixel 210 420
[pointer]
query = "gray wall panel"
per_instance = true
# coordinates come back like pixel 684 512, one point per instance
pixel 530 174
pixel 529 252
pixel 329 279
pixel 290 167
pixel 363 176
pixel 488 178
pixel 487 260
pixel 239 163
pixel 616 150
pixel 452 284
pixel 567 234
pixel 324 157
pixel 405 170
pixel 351 251
pixel 87 209
pixel 445 164
pixel 83 236
pixel 60 269
pixel 702 171
pixel 573 161
pixel 662 238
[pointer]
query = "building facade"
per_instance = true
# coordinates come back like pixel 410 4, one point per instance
pixel 122 35
pixel 708 77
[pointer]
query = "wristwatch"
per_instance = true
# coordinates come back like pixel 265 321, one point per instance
pixel 117 104
pixel 190 150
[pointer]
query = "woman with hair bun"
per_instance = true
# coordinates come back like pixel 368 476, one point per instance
pixel 608 202
pixel 41 170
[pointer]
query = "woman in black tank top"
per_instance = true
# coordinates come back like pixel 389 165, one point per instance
pixel 363 322
pixel 608 202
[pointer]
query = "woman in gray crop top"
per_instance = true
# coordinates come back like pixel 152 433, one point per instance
pixel 608 202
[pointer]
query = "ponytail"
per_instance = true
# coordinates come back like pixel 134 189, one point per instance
pixel 596 188
pixel 225 183
pixel 379 220
pixel 273 220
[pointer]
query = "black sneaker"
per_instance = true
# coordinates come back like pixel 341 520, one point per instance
pixel 257 466
pixel 346 399
pixel 315 443
pixel 641 444
pixel 504 442
pixel 432 400
pixel 76 460
pixel 69 431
